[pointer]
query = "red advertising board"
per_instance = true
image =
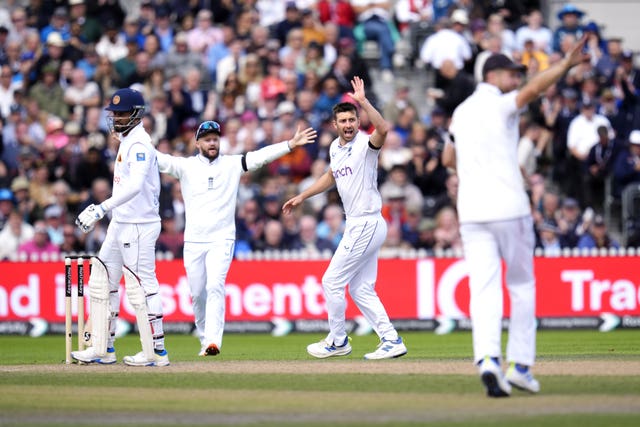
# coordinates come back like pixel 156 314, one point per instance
pixel 410 289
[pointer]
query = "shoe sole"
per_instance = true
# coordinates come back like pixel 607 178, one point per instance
pixel 395 356
pixel 490 381
pixel 99 361
pixel 522 388
pixel 212 350
pixel 327 355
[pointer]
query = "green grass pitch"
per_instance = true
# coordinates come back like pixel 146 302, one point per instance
pixel 588 379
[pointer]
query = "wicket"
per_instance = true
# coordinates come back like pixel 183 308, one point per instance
pixel 68 294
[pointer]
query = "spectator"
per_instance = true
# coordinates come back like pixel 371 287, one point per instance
pixel 338 12
pixel 59 23
pixel 15 232
pixel 534 30
pixel 581 136
pixel 547 239
pixel 171 239
pixel 49 94
pixel 447 43
pixel 71 243
pixel 180 57
pixel 81 94
pixel 597 236
pixel 399 101
pixel 398 178
pixel 456 86
pixel 627 164
pixel 426 235
pixel 599 166
pixel 570 225
pixel 205 34
pixel 529 149
pixel 112 45
pixel 394 152
pixel 39 246
pixel 496 26
pixel 308 239
pixel 332 225
pixel 570 17
pixel 53 218
pixel 446 233
pixel 410 12
pixel 394 209
pixel 291 20
pixel 6 205
pixel 375 23
pixel 312 29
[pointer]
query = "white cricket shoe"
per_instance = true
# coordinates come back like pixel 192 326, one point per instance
pixel 522 380
pixel 388 349
pixel 161 358
pixel 324 349
pixel 493 379
pixel 89 356
pixel 209 350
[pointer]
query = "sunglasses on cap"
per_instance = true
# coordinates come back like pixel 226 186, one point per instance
pixel 206 128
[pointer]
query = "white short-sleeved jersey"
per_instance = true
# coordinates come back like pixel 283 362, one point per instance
pixel 355 169
pixel 485 131
pixel 136 156
pixel 209 190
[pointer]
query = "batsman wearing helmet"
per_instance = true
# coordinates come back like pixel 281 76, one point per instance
pixel 129 246
pixel 209 183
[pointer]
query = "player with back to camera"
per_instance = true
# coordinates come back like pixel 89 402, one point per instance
pixel 129 245
pixel 353 170
pixel 495 216
pixel 209 182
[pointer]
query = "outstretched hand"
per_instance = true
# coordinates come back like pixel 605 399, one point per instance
pixel 577 54
pixel 358 90
pixel 304 137
pixel 292 203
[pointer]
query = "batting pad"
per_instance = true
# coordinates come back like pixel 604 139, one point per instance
pixel 99 294
pixel 138 300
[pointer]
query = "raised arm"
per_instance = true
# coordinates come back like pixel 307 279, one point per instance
pixel 541 81
pixel 382 127
pixel 256 159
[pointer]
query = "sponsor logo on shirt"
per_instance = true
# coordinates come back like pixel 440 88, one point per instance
pixel 342 172
pixel 210 183
pixel 140 157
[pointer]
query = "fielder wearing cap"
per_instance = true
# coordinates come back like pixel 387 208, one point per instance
pixel 209 183
pixel 495 216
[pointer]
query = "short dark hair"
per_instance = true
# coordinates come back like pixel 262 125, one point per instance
pixel 344 107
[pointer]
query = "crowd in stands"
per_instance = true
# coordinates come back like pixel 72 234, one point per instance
pixel 263 67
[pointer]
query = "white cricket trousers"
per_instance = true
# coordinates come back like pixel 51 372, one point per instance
pixel 133 245
pixel 207 265
pixel 355 263
pixel 485 245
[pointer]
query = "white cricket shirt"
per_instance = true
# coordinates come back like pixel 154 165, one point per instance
pixel 485 131
pixel 210 189
pixel 136 180
pixel 355 169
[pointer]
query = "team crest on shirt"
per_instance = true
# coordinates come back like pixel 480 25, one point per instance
pixel 140 157
pixel 210 183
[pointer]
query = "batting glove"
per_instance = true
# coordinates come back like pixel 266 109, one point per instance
pixel 87 219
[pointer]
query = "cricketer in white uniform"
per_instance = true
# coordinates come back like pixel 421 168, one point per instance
pixel 354 170
pixel 209 183
pixel 134 226
pixel 495 217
